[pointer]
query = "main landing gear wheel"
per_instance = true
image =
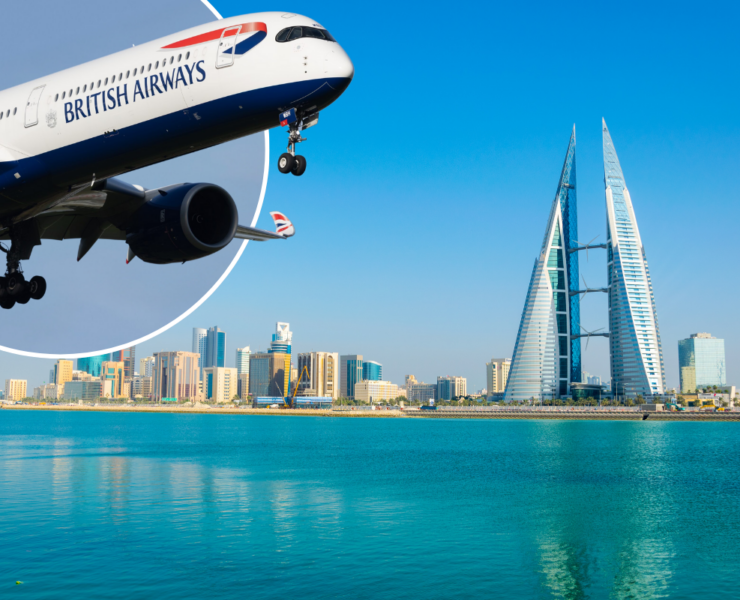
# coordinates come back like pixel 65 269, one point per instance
pixel 299 168
pixel 37 287
pixel 14 289
pixel 14 284
pixel 286 162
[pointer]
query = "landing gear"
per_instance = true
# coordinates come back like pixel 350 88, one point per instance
pixel 290 162
pixel 286 162
pixel 13 287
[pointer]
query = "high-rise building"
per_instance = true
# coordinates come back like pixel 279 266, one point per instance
pixel 15 389
pixel 418 391
pixel 497 372
pixel 260 370
pixel 113 371
pixel 634 341
pixel 175 376
pixel 242 372
pixel 147 366
pixel 282 339
pixel 372 371
pixel 128 357
pixel 451 387
pixel 375 391
pixel 219 384
pixel 92 364
pixel 547 354
pixel 350 372
pixel 63 371
pixel 215 348
pixel 200 342
pixel 701 362
pixel 323 374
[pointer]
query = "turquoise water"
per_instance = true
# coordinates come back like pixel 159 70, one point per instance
pixel 205 506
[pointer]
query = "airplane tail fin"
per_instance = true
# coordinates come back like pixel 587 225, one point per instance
pixel 283 224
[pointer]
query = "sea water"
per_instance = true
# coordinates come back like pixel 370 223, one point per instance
pixel 105 505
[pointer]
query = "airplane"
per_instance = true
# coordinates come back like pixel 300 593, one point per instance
pixel 66 138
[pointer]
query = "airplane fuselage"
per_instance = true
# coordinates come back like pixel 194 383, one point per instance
pixel 154 102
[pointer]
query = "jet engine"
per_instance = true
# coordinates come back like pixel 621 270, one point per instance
pixel 183 223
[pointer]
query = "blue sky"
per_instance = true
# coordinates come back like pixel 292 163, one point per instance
pixel 429 181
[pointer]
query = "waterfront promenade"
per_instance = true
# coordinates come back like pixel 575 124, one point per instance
pixel 516 413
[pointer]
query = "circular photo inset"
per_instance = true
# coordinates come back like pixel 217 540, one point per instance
pixel 129 178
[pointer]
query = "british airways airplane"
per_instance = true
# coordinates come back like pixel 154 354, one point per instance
pixel 65 138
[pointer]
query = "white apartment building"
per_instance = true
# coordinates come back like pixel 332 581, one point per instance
pixel 219 383
pixel 323 374
pixel 15 389
pixel 375 391
pixel 497 373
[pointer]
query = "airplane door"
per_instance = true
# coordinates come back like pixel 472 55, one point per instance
pixel 225 53
pixel 32 107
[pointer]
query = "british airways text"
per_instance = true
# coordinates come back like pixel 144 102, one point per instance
pixel 142 89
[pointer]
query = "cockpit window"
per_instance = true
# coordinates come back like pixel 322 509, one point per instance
pixel 293 33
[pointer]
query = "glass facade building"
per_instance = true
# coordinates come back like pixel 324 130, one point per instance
pixel 372 371
pixel 350 373
pixel 92 364
pixel 634 342
pixel 200 341
pixel 260 374
pixel 547 356
pixel 701 362
pixel 215 348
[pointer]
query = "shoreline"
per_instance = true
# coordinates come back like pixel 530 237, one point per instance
pixel 516 414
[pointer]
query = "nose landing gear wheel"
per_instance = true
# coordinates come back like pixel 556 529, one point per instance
pixel 286 162
pixel 299 168
pixel 7 302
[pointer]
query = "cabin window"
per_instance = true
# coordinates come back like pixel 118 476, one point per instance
pixel 77 92
pixel 64 95
pixel 187 56
pixel 179 58
pixel 15 110
pixel 84 89
pixel 172 59
pixel 128 74
pixel 1 116
pixel 120 76
pixel 149 68
pixel 106 81
pixel 135 72
pixel 156 66
pixel 8 114
pixel 99 82
pixel 56 99
pixel 70 93
pixel 113 79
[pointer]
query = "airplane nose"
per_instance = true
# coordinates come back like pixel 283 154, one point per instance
pixel 340 65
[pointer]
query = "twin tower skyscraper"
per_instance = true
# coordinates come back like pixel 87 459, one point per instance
pixel 547 356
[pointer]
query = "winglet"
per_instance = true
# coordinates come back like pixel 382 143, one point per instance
pixel 130 256
pixel 283 226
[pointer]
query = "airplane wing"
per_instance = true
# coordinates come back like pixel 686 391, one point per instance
pixel 100 210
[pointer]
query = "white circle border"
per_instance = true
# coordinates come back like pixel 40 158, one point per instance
pixel 208 294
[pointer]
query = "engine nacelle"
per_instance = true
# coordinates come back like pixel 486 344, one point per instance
pixel 183 223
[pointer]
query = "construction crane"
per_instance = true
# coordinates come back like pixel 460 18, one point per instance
pixel 289 402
